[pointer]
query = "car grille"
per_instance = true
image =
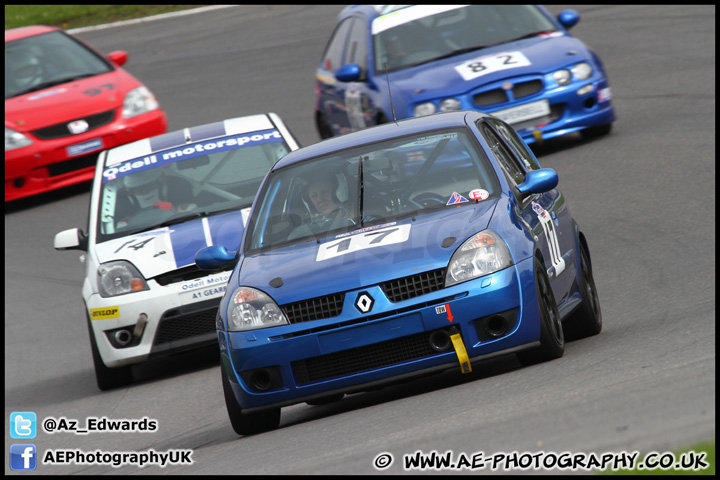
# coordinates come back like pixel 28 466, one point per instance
pixel 314 308
pixel 73 165
pixel 415 285
pixel 60 130
pixel 396 290
pixel 499 95
pixel 363 359
pixel 178 325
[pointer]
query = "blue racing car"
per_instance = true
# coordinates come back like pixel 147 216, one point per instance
pixel 400 250
pixel 517 62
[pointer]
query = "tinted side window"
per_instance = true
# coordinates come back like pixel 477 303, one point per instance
pixel 512 138
pixel 332 59
pixel 506 159
pixel 356 50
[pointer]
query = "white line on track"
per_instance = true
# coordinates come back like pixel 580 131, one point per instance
pixel 150 18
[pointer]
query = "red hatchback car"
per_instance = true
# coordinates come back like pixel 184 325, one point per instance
pixel 65 102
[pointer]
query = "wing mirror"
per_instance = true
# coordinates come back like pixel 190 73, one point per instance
pixel 539 181
pixel 215 258
pixel 73 239
pixel 118 57
pixel 349 73
pixel 568 18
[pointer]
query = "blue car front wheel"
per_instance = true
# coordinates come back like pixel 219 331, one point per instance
pixel 595 132
pixel 552 338
pixel 244 423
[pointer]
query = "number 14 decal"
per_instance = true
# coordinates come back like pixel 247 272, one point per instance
pixel 363 241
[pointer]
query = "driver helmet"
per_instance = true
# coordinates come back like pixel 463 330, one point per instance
pixel 26 69
pixel 144 184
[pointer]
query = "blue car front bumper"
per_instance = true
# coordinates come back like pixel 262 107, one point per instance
pixel 570 112
pixel 495 314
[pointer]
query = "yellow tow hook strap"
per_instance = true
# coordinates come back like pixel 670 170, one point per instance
pixel 460 351
pixel 538 135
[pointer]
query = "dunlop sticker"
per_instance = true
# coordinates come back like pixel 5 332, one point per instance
pixel 104 313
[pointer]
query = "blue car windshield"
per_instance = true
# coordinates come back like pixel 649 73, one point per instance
pixel 368 185
pixel 423 33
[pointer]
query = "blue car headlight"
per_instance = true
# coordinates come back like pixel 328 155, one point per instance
pixel 423 109
pixel 250 308
pixel 450 105
pixel 582 71
pixel 482 254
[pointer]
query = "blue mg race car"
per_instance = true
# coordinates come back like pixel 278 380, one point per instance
pixel 517 62
pixel 400 250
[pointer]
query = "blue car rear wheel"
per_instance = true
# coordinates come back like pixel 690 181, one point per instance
pixel 586 320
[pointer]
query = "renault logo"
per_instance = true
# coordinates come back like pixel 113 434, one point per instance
pixel 364 302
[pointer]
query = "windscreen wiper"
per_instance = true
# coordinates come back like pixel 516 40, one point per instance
pixel 182 219
pixel 52 83
pixel 360 191
pixel 530 35
pixel 458 51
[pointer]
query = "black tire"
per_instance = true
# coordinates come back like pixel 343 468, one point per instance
pixel 325 400
pixel 595 132
pixel 586 320
pixel 323 128
pixel 108 378
pixel 552 338
pixel 244 423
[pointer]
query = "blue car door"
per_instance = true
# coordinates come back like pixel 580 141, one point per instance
pixel 345 104
pixel 547 214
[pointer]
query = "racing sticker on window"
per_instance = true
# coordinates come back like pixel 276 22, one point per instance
pixel 456 198
pixel 104 313
pixel 491 64
pixel 552 238
pixel 363 241
pixel 478 194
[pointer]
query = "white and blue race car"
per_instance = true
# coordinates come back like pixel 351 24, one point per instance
pixel 154 203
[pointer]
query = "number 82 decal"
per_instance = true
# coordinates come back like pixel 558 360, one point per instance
pixel 363 241
pixel 491 63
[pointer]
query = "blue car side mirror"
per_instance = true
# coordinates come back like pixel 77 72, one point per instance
pixel 214 258
pixel 349 73
pixel 568 18
pixel 539 181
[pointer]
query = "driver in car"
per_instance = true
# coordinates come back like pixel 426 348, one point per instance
pixel 150 189
pixel 322 194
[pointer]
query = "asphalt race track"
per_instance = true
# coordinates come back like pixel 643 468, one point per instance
pixel 645 196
